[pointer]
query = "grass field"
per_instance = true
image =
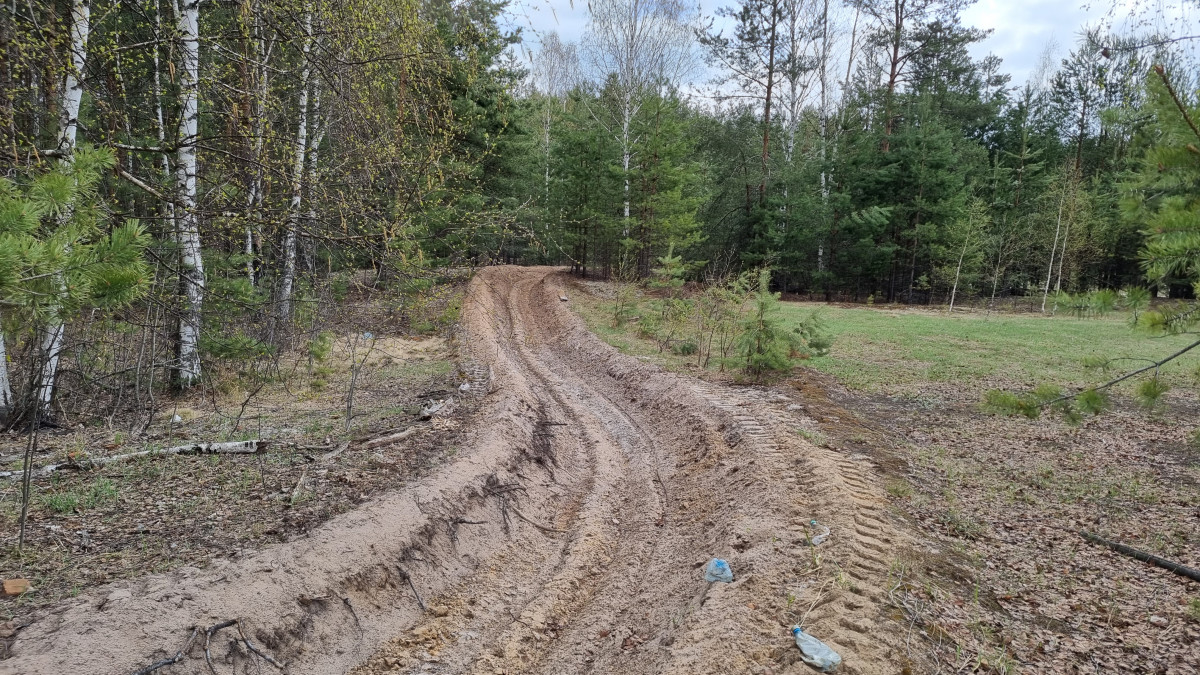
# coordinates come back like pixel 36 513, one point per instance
pixel 903 350
pixel 892 350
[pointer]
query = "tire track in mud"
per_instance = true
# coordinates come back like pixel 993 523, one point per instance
pixel 842 489
pixel 630 605
pixel 568 537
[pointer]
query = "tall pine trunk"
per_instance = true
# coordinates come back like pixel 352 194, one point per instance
pixel 191 270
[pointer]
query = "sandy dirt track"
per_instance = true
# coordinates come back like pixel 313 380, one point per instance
pixel 567 537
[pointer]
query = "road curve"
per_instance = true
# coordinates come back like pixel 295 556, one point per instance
pixel 567 537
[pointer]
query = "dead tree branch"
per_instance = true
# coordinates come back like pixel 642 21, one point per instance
pixel 229 448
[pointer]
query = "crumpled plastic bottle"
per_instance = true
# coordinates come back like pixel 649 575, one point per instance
pixel 818 539
pixel 816 653
pixel 718 570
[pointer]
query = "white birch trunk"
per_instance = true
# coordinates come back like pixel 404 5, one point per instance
pixel 958 270
pixel 1053 251
pixel 824 128
pixel 191 269
pixel 169 206
pixel 254 195
pixel 626 156
pixel 288 280
pixel 73 91
pixel 6 395
pixel 314 145
pixel 68 126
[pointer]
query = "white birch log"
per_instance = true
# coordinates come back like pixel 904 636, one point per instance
pixel 228 448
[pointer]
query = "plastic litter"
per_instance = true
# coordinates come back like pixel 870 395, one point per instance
pixel 718 570
pixel 816 653
pixel 818 539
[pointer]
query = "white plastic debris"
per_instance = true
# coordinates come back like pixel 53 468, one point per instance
pixel 817 540
pixel 816 653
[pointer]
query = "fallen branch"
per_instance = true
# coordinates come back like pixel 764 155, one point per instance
pixel 534 523
pixel 392 438
pixel 230 448
pixel 462 521
pixel 357 623
pixel 334 453
pixel 174 659
pixel 1181 570
pixel 408 577
pixel 208 633
pixel 497 490
pixel 1154 365
pixel 262 654
pixel 299 485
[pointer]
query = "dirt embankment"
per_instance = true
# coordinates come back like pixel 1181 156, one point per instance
pixel 569 536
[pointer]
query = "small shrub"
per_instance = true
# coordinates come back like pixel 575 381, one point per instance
pixel 1193 609
pixel 234 347
pixel 1150 392
pixel 768 346
pixel 1136 300
pixel 686 348
pixel 320 347
pixel 648 326
pixel 1103 302
pixel 624 306
pixel 1008 403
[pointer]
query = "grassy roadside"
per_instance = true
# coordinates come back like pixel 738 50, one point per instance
pixel 907 351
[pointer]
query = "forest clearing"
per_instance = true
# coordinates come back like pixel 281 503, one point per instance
pixel 558 518
pixel 626 336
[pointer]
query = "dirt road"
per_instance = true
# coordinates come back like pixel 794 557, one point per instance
pixel 567 537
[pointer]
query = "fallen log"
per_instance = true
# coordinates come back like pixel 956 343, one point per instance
pixel 1181 570
pixel 392 438
pixel 228 448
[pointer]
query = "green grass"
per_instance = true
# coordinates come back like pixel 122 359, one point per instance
pixel 898 351
pixel 889 350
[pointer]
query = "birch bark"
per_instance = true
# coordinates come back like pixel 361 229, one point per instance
pixel 191 270
pixel 68 126
pixel 288 280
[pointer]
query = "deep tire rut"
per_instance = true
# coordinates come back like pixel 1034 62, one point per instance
pixel 569 537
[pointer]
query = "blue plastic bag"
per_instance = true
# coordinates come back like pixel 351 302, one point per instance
pixel 718 570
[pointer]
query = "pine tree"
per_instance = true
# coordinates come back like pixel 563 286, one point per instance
pixel 56 255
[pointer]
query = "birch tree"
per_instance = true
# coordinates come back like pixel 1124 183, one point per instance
pixel 288 278
pixel 68 126
pixel 191 268
pixel 642 44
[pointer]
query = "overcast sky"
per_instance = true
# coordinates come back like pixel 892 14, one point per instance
pixel 1021 28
